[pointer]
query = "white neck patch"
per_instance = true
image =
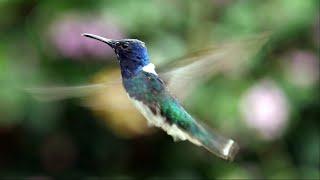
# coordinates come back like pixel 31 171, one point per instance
pixel 149 68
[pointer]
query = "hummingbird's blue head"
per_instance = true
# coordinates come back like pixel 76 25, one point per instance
pixel 132 54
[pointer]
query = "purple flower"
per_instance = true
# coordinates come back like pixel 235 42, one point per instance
pixel 265 109
pixel 65 35
pixel 302 68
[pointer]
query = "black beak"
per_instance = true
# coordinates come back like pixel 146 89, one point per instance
pixel 110 42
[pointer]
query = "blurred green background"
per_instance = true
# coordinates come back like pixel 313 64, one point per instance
pixel 271 109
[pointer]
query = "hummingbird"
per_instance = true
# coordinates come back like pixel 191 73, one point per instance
pixel 151 96
pixel 156 95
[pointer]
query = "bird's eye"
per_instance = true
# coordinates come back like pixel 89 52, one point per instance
pixel 125 46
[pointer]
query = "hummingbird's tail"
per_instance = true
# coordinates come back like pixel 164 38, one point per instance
pixel 215 143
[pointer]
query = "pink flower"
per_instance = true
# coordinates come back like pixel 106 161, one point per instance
pixel 265 109
pixel 302 68
pixel 65 35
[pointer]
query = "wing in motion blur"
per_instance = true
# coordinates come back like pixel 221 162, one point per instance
pixel 183 75
pixel 64 92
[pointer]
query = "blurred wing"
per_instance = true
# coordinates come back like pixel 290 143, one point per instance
pixel 56 93
pixel 185 74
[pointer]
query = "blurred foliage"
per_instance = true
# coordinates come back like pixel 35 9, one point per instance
pixel 278 94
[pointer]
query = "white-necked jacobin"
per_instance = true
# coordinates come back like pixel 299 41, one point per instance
pixel 152 98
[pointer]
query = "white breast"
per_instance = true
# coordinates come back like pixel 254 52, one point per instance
pixel 150 68
pixel 159 121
